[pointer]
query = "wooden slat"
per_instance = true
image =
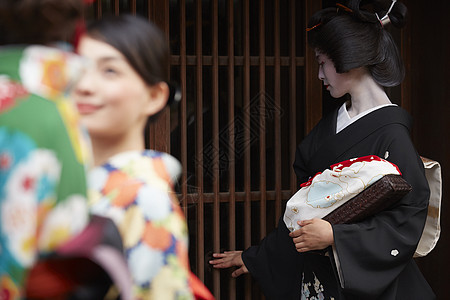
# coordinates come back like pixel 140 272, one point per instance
pixel 313 100
pixel 277 96
pixel 292 96
pixel 149 7
pixel 231 143
pixel 215 130
pixel 246 106
pixel 191 60
pixel 247 166
pixel 98 10
pixel 116 7
pixel 199 144
pixel 161 128
pixel 183 106
pixel 152 18
pixel 262 121
pixel 133 7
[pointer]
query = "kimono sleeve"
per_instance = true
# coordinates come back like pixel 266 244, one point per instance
pixel 300 167
pixel 374 253
pixel 276 265
pixel 69 213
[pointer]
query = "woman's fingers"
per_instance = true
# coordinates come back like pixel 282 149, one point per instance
pixel 315 234
pixel 227 259
pixel 239 272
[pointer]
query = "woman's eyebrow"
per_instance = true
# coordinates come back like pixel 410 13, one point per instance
pixel 109 58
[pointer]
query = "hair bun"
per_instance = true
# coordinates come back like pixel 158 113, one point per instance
pixel 383 11
pixel 398 14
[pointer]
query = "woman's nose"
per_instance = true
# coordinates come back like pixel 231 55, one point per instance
pixel 84 85
pixel 320 73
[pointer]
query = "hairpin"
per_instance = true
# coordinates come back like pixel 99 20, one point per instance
pixel 386 20
pixel 311 28
pixel 339 5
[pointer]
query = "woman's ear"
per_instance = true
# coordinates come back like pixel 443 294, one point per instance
pixel 158 97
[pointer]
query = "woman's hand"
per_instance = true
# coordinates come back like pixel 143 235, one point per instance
pixel 315 234
pixel 229 259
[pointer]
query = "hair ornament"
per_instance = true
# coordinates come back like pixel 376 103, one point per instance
pixel 386 20
pixel 315 26
pixel 345 8
pixel 174 93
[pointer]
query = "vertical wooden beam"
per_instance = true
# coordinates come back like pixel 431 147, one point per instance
pixel 247 173
pixel 149 8
pixel 98 10
pixel 183 106
pixel 247 164
pixel 215 130
pixel 292 96
pixel 116 7
pixel 277 91
pixel 313 101
pixel 262 121
pixel 199 143
pixel 133 7
pixel 160 129
pixel 231 142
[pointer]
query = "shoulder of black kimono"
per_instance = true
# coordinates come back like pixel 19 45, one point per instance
pixel 394 114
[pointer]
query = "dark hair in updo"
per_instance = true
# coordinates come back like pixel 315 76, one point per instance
pixel 38 21
pixel 353 37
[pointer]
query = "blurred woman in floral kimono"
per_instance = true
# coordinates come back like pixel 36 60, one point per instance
pixel 126 86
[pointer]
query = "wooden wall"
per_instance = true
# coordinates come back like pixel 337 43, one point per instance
pixel 429 28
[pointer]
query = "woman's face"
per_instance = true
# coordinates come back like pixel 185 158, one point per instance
pixel 338 84
pixel 112 98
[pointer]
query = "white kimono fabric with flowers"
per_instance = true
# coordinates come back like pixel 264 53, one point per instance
pixel 331 188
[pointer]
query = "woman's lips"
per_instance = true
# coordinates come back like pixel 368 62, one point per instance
pixel 85 108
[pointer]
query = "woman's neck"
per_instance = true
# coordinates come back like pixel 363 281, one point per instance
pixel 104 148
pixel 367 94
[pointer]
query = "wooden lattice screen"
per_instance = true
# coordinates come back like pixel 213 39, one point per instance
pixel 250 94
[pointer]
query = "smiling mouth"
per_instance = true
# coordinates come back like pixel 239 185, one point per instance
pixel 85 109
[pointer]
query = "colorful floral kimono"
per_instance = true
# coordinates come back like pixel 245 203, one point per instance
pixel 135 189
pixel 42 160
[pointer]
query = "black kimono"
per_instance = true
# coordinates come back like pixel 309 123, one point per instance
pixel 375 255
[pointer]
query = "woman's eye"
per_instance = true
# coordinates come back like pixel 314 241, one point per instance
pixel 110 71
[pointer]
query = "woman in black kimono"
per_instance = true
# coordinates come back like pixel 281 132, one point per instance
pixel 371 259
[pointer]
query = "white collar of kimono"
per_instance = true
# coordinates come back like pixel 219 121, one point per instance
pixel 344 119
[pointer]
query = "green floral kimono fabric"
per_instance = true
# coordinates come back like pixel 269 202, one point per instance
pixel 42 160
